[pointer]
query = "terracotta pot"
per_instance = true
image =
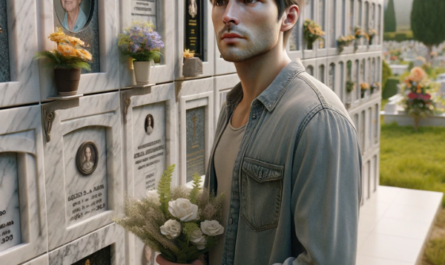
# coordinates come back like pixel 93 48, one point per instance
pixel 142 72
pixel 162 261
pixel 67 81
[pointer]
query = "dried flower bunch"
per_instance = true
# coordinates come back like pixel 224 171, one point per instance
pixel 69 53
pixel 141 42
pixel 179 223
pixel 312 31
pixel 344 41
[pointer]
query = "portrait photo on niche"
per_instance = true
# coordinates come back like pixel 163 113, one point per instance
pixel 87 157
pixel 74 15
pixel 149 124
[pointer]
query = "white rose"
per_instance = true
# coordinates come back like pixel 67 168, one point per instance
pixel 152 195
pixel 171 229
pixel 212 228
pixel 183 209
pixel 198 239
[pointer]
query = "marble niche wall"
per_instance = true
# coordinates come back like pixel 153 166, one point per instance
pixel 67 164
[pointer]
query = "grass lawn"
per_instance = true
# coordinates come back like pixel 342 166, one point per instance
pixel 414 160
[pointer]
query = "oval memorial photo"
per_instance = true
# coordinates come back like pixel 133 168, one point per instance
pixel 74 15
pixel 87 158
pixel 149 124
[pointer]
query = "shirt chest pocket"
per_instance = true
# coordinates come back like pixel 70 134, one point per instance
pixel 261 193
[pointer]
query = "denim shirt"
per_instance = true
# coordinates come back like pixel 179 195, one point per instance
pixel 296 183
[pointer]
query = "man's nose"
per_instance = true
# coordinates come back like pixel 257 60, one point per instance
pixel 231 12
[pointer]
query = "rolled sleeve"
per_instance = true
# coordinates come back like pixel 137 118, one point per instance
pixel 327 190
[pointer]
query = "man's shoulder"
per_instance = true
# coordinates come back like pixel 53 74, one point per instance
pixel 305 95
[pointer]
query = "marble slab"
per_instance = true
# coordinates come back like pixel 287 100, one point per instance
pixel 148 149
pixel 195 94
pixel 83 165
pixel 23 233
pixel 23 74
pixel 42 260
pixel 165 26
pixel 208 64
pixel 223 85
pixel 109 236
pixel 106 51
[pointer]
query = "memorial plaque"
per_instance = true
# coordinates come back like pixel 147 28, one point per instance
pixel 195 135
pixel 10 234
pixel 101 257
pixel 149 145
pixel 4 44
pixel 86 194
pixel 86 26
pixel 194 27
pixel 144 10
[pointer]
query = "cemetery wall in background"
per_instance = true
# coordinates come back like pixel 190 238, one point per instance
pixel 56 206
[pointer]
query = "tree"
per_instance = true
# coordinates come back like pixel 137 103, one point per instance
pixel 390 17
pixel 428 23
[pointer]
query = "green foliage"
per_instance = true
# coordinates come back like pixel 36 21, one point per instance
pixel 413 160
pixel 390 89
pixel 428 21
pixel 390 24
pixel 189 228
pixel 386 73
pixel 435 251
pixel 144 56
pixel 196 188
pixel 398 36
pixel 54 59
pixel 350 86
pixel 164 188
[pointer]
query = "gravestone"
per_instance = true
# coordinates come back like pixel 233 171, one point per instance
pixel 10 233
pixel 195 138
pixel 85 178
pixel 4 44
pixel 149 145
pixel 194 27
pixel 144 10
pixel 101 257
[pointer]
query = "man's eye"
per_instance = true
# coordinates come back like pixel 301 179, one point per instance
pixel 219 2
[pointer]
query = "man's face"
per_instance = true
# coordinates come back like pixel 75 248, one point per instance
pixel 245 28
pixel 70 5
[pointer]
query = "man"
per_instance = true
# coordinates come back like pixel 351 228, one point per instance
pixel 285 153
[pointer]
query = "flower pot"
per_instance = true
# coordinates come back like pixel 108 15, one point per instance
pixel 142 72
pixel 67 81
pixel 192 67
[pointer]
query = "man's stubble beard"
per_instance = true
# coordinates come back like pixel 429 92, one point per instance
pixel 259 44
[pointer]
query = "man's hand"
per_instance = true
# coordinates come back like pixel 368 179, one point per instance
pixel 162 261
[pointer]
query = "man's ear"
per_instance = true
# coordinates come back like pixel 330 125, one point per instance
pixel 290 17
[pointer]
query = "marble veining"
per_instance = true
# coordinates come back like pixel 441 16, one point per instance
pixel 21 168
pixel 86 196
pixel 10 232
pixel 94 118
pixel 82 247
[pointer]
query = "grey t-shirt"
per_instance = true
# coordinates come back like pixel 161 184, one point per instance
pixel 225 155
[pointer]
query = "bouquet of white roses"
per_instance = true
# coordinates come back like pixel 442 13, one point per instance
pixel 179 223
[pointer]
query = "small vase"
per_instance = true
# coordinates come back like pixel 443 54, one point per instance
pixel 67 81
pixel 142 72
pixel 192 67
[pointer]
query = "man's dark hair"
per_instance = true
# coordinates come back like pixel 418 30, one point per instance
pixel 283 4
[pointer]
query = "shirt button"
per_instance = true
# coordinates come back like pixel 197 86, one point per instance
pixel 254 116
pixel 231 221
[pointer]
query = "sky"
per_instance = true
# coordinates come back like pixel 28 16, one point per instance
pixel 403 11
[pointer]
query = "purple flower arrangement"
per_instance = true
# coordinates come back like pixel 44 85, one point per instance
pixel 141 42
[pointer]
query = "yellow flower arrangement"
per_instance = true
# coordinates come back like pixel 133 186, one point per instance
pixel 187 54
pixel 364 86
pixel 312 32
pixel 68 53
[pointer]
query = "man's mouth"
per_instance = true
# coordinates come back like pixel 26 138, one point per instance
pixel 231 36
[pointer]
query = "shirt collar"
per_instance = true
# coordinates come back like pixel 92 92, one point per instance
pixel 272 94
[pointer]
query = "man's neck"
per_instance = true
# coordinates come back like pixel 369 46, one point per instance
pixel 257 73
